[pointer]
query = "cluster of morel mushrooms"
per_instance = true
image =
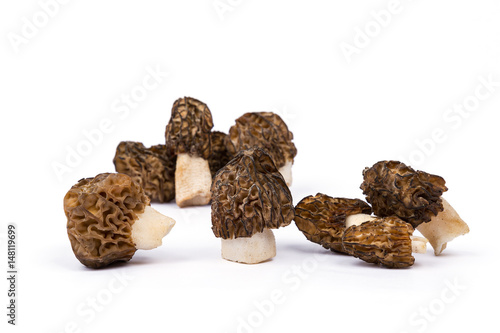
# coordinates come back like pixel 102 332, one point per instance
pixel 246 175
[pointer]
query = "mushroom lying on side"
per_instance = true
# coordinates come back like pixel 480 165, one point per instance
pixel 418 244
pixel 152 168
pixel 220 155
pixel 109 218
pixel 249 198
pixel 322 218
pixel 188 135
pixel 268 131
pixel 385 241
pixel 392 188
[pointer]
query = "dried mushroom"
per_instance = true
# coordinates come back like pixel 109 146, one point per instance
pixel 109 218
pixel 152 168
pixel 268 131
pixel 249 197
pixel 322 218
pixel 393 188
pixel 188 135
pixel 220 155
pixel 418 244
pixel 384 241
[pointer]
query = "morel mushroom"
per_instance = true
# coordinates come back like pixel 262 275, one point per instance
pixel 152 168
pixel 384 241
pixel 220 155
pixel 249 198
pixel 418 244
pixel 393 188
pixel 188 135
pixel 322 218
pixel 268 131
pixel 109 218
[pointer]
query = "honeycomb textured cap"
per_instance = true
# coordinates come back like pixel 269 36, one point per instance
pixel 152 168
pixel 249 195
pixel 100 213
pixel 265 130
pixel 392 188
pixel 321 218
pixel 384 241
pixel 220 155
pixel 188 131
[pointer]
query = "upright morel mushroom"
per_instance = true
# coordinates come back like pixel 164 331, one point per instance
pixel 268 131
pixel 393 188
pixel 384 241
pixel 153 168
pixel 109 218
pixel 249 197
pixel 188 135
pixel 220 155
pixel 322 219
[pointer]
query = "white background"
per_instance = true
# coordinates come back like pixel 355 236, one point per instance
pixel 346 112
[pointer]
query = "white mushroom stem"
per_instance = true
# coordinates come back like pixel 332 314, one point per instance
pixel 286 172
pixel 418 244
pixel 192 181
pixel 357 219
pixel 250 250
pixel 150 228
pixel 443 228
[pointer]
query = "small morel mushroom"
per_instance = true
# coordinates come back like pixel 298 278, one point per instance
pixel 268 131
pixel 249 197
pixel 418 244
pixel 109 218
pixel 392 188
pixel 384 241
pixel 188 135
pixel 322 218
pixel 153 168
pixel 220 155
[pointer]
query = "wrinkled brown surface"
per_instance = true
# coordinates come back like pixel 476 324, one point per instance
pixel 100 213
pixel 248 195
pixel 219 156
pixel 188 130
pixel 265 130
pixel 152 168
pixel 384 241
pixel 392 188
pixel 322 218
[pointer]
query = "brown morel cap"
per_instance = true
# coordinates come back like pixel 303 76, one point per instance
pixel 220 155
pixel 384 241
pixel 249 195
pixel 152 168
pixel 265 130
pixel 100 213
pixel 322 218
pixel 392 188
pixel 188 130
